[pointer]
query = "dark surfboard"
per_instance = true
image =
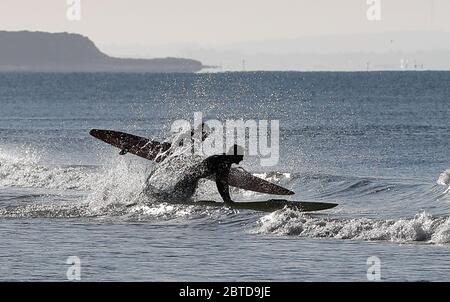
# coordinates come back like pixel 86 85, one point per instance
pixel 272 205
pixel 155 151
pixel 129 143
pixel 242 179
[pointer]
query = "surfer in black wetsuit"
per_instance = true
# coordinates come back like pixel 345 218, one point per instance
pixel 218 166
pixel 221 165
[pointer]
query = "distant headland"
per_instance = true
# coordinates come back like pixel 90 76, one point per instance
pixel 66 52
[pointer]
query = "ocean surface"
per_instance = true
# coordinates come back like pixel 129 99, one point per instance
pixel 377 143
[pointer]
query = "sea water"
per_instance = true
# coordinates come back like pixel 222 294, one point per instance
pixel 377 143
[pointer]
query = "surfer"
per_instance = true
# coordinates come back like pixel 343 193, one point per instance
pixel 175 181
pixel 180 169
pixel 218 166
pixel 176 177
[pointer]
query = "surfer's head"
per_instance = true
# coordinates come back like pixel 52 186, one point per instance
pixel 236 153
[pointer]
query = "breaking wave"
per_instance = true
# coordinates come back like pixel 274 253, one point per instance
pixel 116 212
pixel 114 191
pixel 423 227
pixel 122 179
pixel 24 170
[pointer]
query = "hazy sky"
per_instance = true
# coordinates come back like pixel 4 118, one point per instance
pixel 213 22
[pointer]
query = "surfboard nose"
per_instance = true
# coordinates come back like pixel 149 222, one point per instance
pixel 96 133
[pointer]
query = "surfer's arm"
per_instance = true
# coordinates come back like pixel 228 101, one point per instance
pixel 220 165
pixel 222 184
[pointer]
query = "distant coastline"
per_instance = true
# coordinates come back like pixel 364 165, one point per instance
pixel 65 52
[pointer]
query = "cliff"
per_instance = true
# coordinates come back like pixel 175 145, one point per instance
pixel 64 52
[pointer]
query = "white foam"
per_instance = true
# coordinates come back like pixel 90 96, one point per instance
pixel 162 210
pixel 423 227
pixel 120 184
pixel 24 170
pixel 444 178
